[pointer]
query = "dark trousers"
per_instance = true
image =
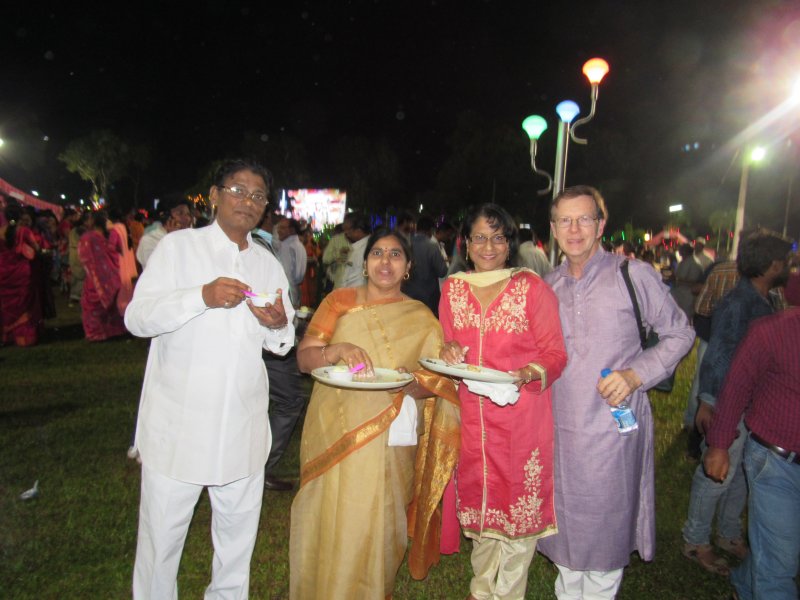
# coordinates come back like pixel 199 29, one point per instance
pixel 287 401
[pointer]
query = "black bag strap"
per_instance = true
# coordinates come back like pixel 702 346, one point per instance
pixel 627 277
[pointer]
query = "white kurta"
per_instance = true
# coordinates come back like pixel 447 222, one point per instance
pixel 203 409
pixel 149 242
pixel 354 270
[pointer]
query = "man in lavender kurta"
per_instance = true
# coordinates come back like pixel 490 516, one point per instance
pixel 604 481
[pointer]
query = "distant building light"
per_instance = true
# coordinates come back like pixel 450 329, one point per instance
pixel 63 196
pixel 697 145
pixel 676 208
pixel 35 193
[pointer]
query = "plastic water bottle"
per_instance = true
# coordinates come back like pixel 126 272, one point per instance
pixel 622 413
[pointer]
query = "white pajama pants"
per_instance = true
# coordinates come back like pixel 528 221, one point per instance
pixel 165 511
pixel 587 585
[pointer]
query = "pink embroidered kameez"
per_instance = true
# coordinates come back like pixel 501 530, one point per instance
pixel 504 479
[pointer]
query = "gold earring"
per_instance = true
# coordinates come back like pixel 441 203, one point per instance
pixel 364 272
pixel 406 276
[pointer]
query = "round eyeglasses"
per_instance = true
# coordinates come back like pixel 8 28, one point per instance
pixel 241 194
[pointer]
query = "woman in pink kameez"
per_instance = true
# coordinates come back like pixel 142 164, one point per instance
pixel 504 319
pixel 99 313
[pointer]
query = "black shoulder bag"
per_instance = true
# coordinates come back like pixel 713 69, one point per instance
pixel 647 340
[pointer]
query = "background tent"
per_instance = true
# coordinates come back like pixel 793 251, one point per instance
pixel 10 191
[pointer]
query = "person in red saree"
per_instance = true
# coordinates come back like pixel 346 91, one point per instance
pixel 99 313
pixel 504 319
pixel 19 303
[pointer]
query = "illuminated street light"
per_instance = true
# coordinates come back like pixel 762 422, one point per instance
pixel 534 126
pixel 567 111
pixel 755 155
pixel 35 193
pixel 675 208
pixel 2 141
pixel 594 69
pixel 758 153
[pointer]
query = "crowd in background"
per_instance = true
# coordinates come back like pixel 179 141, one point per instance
pixel 93 257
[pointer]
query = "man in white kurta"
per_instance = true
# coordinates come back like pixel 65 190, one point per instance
pixel 203 410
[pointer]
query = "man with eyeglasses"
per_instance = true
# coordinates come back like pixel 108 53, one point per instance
pixel 202 420
pixel 604 482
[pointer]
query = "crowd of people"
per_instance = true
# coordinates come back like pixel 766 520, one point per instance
pixel 92 257
pixel 532 462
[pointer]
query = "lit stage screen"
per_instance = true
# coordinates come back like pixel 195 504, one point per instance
pixel 320 208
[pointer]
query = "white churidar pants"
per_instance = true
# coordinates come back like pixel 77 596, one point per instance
pixel 165 511
pixel 587 585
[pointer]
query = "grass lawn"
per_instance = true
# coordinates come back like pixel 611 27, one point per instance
pixel 67 413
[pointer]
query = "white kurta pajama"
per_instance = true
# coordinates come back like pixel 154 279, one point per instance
pixel 203 410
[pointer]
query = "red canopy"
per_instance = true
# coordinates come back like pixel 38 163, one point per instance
pixel 12 192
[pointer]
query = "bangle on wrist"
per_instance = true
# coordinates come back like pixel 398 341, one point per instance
pixel 325 358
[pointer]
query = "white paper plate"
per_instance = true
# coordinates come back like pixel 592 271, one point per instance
pixel 385 379
pixel 464 371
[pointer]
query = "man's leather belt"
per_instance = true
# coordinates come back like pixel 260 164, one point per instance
pixel 785 454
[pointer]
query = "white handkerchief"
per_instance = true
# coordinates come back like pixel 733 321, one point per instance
pixel 403 430
pixel 499 393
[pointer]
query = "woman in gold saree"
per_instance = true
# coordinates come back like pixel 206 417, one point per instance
pixel 360 498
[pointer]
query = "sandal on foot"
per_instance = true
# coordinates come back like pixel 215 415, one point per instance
pixel 704 555
pixel 737 546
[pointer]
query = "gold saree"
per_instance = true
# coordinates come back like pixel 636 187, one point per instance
pixel 360 499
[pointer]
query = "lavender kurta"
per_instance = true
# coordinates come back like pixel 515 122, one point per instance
pixel 604 482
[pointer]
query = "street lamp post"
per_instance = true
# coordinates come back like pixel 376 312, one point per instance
pixel 755 155
pixel 594 69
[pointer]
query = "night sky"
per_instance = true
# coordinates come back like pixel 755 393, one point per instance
pixel 200 84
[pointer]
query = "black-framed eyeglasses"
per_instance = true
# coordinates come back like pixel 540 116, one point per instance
pixel 240 193
pixel 582 221
pixel 497 240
